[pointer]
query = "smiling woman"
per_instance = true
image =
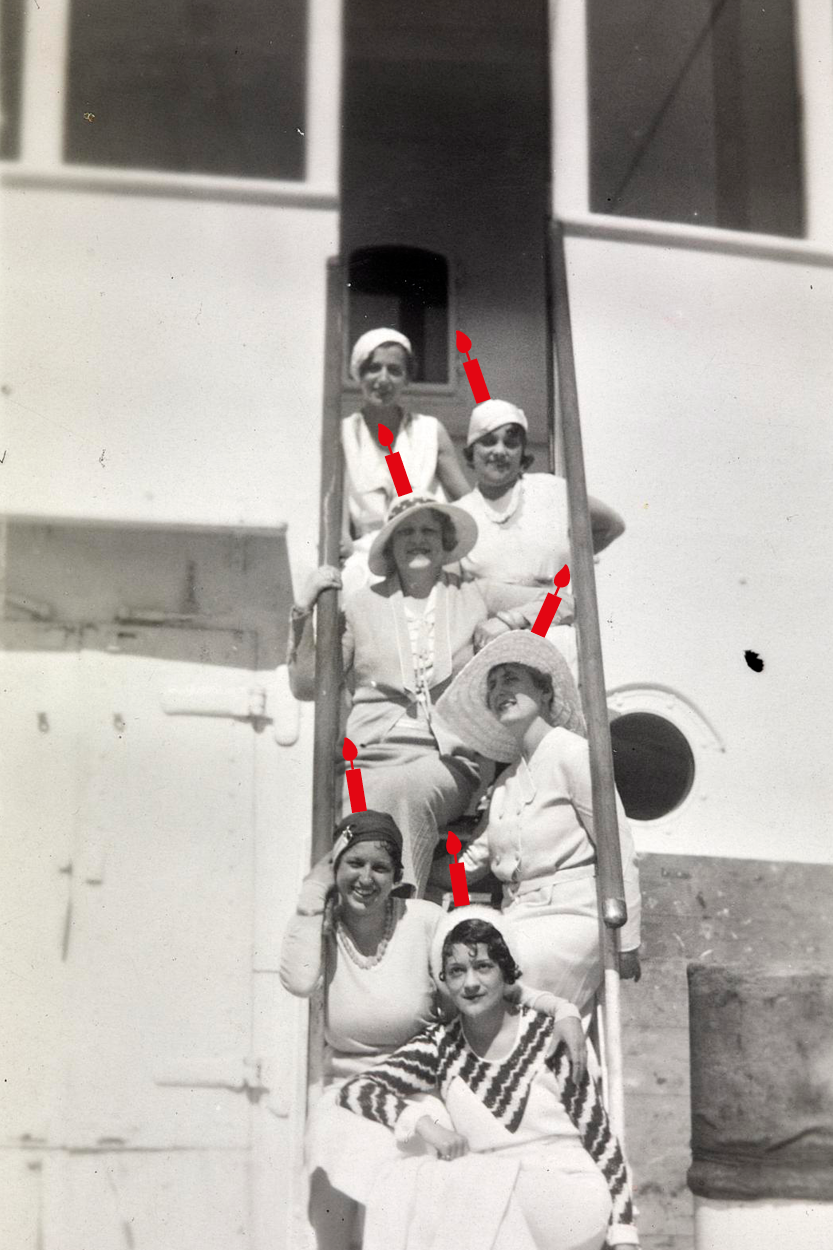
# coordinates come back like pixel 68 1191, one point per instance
pixel 382 363
pixel 522 521
pixel 540 837
pixel 371 952
pixel 403 640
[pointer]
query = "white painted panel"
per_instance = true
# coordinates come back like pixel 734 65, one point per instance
pixel 182 339
pixel 162 952
pixel 191 1200
pixel 705 383
pixel 20 1187
pixel 38 800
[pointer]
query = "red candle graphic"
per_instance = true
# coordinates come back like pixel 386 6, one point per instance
pixel 394 462
pixel 474 373
pixel 354 778
pixel 550 605
pixel 457 872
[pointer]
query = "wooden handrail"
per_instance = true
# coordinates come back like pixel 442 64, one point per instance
pixel 328 666
pixel 609 882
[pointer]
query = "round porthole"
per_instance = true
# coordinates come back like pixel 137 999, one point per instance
pixel 653 764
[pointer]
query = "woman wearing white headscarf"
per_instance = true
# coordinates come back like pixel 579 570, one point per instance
pixel 530 1161
pixel 523 520
pixel 382 363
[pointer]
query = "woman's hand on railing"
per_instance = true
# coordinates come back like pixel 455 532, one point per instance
pixel 323 871
pixel 325 578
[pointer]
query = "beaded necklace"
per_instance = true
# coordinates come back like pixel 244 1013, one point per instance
pixel 345 940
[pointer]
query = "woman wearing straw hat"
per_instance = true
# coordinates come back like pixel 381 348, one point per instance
pixel 382 362
pixel 530 1161
pixel 404 639
pixel 516 700
pixel 355 934
pixel 523 520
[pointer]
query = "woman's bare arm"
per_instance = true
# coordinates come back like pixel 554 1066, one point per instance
pixel 605 522
pixel 452 478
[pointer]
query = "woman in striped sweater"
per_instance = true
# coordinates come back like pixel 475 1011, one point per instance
pixel 535 1163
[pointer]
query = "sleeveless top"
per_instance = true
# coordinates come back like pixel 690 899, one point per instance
pixel 368 487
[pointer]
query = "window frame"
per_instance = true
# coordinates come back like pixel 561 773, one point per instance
pixel 427 389
pixel 42 102
pixel 570 148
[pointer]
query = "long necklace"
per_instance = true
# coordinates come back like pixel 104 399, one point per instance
pixel 345 940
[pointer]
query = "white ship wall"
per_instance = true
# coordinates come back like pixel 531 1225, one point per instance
pixel 704 386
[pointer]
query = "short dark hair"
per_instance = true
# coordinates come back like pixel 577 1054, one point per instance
pixel 470 933
pixel 527 457
pixel 541 681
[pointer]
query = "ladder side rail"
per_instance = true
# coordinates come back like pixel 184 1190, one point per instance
pixel 328 665
pixel 609 881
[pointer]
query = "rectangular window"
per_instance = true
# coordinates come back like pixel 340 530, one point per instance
pixel 695 113
pixel 193 86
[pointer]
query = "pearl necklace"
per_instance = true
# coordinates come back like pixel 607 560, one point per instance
pixel 345 940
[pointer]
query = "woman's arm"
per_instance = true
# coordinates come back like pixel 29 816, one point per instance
pixel 452 478
pixel 605 523
pixel 577 765
pixel 302 952
pixel 301 655
pixel 583 1103
pixel 381 1094
pixel 565 1017
pixel 476 857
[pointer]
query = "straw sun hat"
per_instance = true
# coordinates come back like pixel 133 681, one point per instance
pixel 463 706
pixel 465 527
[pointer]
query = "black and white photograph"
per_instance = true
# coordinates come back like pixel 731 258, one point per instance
pixel 415 480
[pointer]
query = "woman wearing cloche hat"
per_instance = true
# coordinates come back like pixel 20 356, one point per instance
pixel 357 936
pixel 382 362
pixel 404 639
pixel 516 700
pixel 522 519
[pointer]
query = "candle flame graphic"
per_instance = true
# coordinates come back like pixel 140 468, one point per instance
pixel 385 436
pixel 453 844
pixel 349 751
pixel 463 342
pixel 562 577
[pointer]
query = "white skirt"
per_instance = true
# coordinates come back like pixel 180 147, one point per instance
pixel 352 1150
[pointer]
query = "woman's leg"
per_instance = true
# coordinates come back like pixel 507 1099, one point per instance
pixel 331 1213
pixel 562 1210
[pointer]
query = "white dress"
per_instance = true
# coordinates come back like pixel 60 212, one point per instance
pixel 368 486
pixel 527 544
pixel 545 1173
pixel 540 843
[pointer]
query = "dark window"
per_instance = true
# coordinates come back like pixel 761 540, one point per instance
pixel 652 762
pixel 405 288
pixel 197 86
pixel 11 48
pixel 695 113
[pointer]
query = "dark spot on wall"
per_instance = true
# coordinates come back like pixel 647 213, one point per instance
pixel 754 661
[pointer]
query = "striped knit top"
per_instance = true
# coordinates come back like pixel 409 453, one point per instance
pixel 527 1095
